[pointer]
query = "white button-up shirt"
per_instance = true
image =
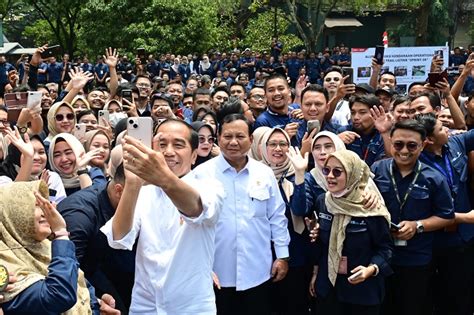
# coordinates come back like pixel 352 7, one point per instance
pixel 252 216
pixel 175 253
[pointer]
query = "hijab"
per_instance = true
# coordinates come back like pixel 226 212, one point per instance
pixel 316 171
pixel 69 180
pixel 82 98
pixel 349 203
pixel 281 172
pixel 205 64
pixel 175 65
pixel 257 135
pixel 52 118
pixel 114 118
pixel 21 253
pixel 90 135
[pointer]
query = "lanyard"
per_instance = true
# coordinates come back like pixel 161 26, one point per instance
pixel 449 176
pixel 410 188
pixel 365 153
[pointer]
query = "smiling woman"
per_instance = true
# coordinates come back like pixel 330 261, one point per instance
pixel 61 118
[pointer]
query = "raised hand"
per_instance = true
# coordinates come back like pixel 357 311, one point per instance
pixel 25 146
pixel 348 136
pixel 300 163
pixel 36 58
pixel 79 78
pixel 382 121
pixel 85 158
pixel 344 89
pixel 55 220
pixel 111 57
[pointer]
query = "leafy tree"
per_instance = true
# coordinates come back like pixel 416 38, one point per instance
pixel 40 32
pixel 259 32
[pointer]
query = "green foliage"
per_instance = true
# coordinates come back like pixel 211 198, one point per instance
pixel 40 32
pixel 260 30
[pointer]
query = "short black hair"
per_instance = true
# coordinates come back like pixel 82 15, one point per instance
pixel 387 72
pixel 4 108
pixel 201 91
pixel 435 100
pixel 235 83
pixel 84 113
pixel 141 76
pixel 399 100
pixel 232 106
pixel 161 96
pixel 274 77
pixel 368 99
pixel 428 121
pixel 235 117
pixel 193 138
pixel 315 88
pixel 119 176
pixel 333 69
pixel 410 124
pixel 220 89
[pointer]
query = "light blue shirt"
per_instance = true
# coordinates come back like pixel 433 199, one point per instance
pixel 253 215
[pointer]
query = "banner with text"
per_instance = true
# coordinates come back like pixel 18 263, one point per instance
pixel 409 64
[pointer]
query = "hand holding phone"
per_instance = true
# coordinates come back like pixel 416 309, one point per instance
pixel 313 124
pixel 356 275
pixel 103 115
pixel 379 53
pixel 348 71
pixel 141 128
pixel 51 51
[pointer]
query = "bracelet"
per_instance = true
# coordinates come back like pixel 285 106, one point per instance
pixel 82 172
pixel 62 232
pixel 376 269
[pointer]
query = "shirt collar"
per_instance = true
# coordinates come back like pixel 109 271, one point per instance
pixel 223 165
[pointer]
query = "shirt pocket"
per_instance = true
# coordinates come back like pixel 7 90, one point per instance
pixel 258 201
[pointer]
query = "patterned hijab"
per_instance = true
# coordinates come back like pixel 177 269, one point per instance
pixel 349 203
pixel 26 257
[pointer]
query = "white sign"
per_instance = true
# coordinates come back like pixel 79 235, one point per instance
pixel 409 64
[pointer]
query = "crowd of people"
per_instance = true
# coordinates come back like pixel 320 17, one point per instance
pixel 235 183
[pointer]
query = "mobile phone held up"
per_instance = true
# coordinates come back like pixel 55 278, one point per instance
pixel 141 128
pixel 348 71
pixel 141 54
pixel 103 115
pixel 379 53
pixel 127 94
pixel 435 77
pixel 313 124
pixel 52 51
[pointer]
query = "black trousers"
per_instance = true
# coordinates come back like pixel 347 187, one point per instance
pixel 290 296
pixel 330 305
pixel 453 271
pixel 254 301
pixel 407 291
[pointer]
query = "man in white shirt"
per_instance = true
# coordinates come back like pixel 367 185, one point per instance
pixel 175 218
pixel 252 217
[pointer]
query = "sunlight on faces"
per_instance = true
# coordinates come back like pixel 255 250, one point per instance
pixel 335 184
pixel 387 80
pixel 421 105
pixel 277 93
pixel 332 81
pixel 362 120
pixel 42 227
pixel 277 148
pixel 64 158
pixel 402 112
pixel 445 117
pixel 235 141
pixel 101 142
pixel 39 157
pixel 64 125
pixel 440 134
pixel 322 148
pixel 405 157
pixel 90 121
pixel 79 105
pixel 314 106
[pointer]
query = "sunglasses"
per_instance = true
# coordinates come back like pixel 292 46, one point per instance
pixel 332 79
pixel 210 140
pixel 60 117
pixel 336 172
pixel 411 146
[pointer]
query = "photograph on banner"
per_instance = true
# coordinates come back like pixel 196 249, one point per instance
pixel 409 64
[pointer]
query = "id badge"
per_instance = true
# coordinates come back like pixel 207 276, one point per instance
pixel 398 242
pixel 342 266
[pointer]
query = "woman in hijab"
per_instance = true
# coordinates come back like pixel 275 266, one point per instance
pixel 205 66
pixel 69 159
pixel 27 161
pixel 290 293
pixel 61 119
pixel 174 70
pixel 116 113
pixel 255 148
pixel 98 140
pixel 354 244
pixel 48 278
pixel 207 139
pixel 80 103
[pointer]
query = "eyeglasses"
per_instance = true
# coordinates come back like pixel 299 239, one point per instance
pixel 275 144
pixel 336 79
pixel 144 85
pixel 5 122
pixel 209 140
pixel 258 97
pixel 411 146
pixel 60 117
pixel 336 172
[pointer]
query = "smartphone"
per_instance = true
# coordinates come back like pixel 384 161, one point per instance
pixel 51 51
pixel 355 276
pixel 348 71
pixel 439 53
pixel 34 99
pixel 314 221
pixel 80 131
pixel 103 113
pixel 141 128
pixel 394 227
pixel 4 278
pixel 141 53
pixel 435 77
pixel 127 94
pixel 379 52
pixel 313 124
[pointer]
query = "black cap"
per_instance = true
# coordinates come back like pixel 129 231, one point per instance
pixel 385 90
pixel 365 88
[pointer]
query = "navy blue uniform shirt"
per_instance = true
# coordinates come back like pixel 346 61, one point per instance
pixel 305 196
pixel 430 196
pixel 370 148
pixel 273 120
pixel 367 241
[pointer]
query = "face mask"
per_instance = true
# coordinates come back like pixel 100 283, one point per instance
pixel 114 118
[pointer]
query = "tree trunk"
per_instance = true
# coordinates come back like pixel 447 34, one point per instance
pixel 423 14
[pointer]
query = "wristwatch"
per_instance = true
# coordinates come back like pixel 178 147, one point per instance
pixel 22 130
pixel 419 227
pixel 82 172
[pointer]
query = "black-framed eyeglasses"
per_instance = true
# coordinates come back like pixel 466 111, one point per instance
pixel 336 172
pixel 60 117
pixel 5 122
pixel 275 144
pixel 411 146
pixel 209 140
